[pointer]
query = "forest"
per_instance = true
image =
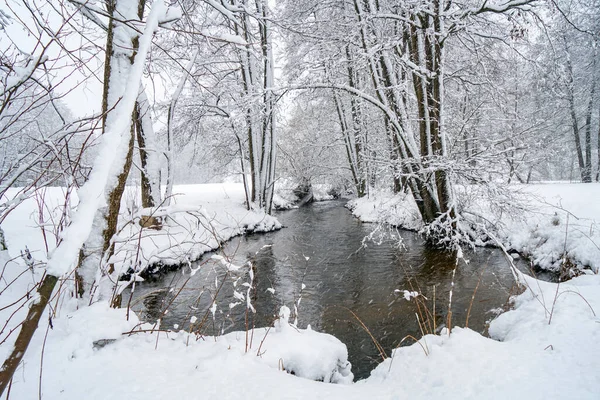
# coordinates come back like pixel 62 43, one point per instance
pixel 177 177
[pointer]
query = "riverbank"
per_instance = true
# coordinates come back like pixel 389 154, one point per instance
pixel 199 219
pixel 545 348
pixel 547 223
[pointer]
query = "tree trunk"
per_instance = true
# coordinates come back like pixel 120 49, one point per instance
pixel 386 89
pixel 28 328
pixel 148 151
pixel 357 125
pixel 598 142
pixel 442 181
pixel 2 240
pixel 352 130
pixel 270 133
pixel 574 123
pixel 426 51
pixel 241 28
pixel 257 76
pixel 351 156
pixel 114 206
pixel 587 171
pixel 577 138
pixel 98 248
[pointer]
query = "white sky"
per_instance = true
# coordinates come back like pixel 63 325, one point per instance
pixel 82 94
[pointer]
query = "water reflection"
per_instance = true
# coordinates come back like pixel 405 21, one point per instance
pixel 319 262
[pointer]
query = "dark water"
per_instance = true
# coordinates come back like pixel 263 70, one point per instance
pixel 321 248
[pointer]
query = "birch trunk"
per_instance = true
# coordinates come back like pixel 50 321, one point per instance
pixel 257 78
pixel 587 170
pixel 269 149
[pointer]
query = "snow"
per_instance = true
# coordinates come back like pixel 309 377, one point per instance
pixel 545 347
pixel 407 294
pixel 301 352
pixel 15 281
pixel 537 358
pixel 199 220
pixel 172 14
pixel 553 219
pixel 21 73
pixel 385 207
pixel 565 219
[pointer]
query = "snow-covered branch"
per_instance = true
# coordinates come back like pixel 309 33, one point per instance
pixel 92 194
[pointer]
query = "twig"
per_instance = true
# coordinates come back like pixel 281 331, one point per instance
pixel 471 303
pixel 578 294
pixel 263 340
pixel 377 345
pixel 42 357
pixel 563 263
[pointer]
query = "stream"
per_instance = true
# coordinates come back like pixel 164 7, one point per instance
pixel 322 259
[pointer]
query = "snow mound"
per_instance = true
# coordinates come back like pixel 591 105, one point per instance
pixel 549 223
pixel 564 224
pixel 545 348
pixel 199 220
pixel 385 207
pixel 301 352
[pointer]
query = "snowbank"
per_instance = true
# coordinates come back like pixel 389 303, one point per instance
pixel 301 352
pixel 96 353
pixel 535 356
pixel 546 221
pixel 203 217
pixel 200 218
pixel 385 207
pixel 564 221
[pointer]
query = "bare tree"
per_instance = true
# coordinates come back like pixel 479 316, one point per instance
pixel 107 170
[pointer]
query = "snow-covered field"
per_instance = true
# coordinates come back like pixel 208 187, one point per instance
pixel 547 347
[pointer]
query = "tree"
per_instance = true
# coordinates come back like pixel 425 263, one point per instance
pixel 572 32
pixel 231 81
pixel 401 50
pixel 106 172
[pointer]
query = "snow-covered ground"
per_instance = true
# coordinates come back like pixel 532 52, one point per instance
pixel 537 358
pixel 563 219
pixel 200 218
pixel 542 221
pixel 547 347
pixel 287 195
